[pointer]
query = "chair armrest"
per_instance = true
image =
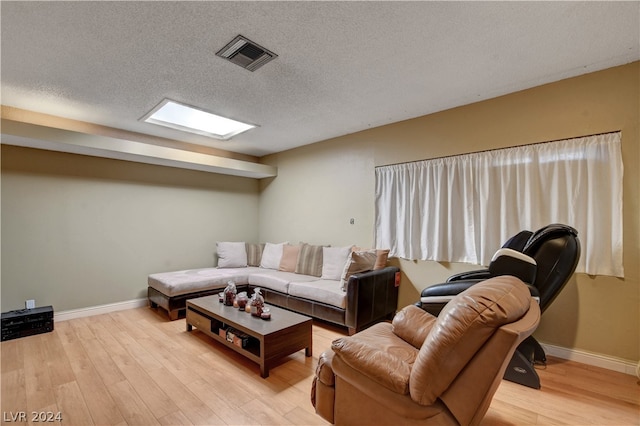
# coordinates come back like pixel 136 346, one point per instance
pixel 378 365
pixel 478 274
pixel 447 290
pixel 324 372
pixel 323 387
pixel 371 297
pixel 412 325
pixel 433 299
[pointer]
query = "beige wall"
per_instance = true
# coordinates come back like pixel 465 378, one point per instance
pixel 317 192
pixel 80 231
pixel 321 186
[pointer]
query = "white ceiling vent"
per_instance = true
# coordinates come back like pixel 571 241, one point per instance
pixel 249 55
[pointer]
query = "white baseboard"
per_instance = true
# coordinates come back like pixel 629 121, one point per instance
pixel 100 309
pixel 589 358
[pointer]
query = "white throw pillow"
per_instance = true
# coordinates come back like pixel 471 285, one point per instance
pixel 232 255
pixel 333 262
pixel 271 256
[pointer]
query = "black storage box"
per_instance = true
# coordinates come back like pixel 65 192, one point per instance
pixel 26 322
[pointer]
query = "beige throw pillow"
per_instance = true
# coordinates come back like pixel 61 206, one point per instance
pixel 254 254
pixel 359 261
pixel 310 260
pixel 381 259
pixel 382 255
pixel 289 258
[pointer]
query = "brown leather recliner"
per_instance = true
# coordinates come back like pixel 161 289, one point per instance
pixel 422 369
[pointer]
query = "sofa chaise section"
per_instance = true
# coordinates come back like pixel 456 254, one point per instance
pixel 170 290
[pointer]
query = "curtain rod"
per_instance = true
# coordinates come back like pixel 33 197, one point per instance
pixel 498 149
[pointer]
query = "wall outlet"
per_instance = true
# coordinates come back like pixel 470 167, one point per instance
pixel 30 304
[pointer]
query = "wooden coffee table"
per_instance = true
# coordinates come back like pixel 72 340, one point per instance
pixel 268 340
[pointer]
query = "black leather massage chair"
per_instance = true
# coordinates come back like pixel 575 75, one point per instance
pixel 544 260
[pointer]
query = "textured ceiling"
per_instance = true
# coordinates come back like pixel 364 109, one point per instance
pixel 342 66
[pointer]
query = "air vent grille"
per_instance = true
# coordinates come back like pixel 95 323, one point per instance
pixel 245 53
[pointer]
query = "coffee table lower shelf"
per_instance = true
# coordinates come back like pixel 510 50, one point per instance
pixel 264 342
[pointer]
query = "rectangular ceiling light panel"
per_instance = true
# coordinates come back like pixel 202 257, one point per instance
pixel 189 119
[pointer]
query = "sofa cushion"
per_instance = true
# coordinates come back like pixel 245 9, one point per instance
pixel 276 280
pixel 193 280
pixel 333 261
pixel 324 291
pixel 271 256
pixel 254 254
pixel 289 258
pixel 240 276
pixel 231 254
pixel 309 260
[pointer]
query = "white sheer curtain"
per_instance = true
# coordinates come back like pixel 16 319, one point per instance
pixel 463 208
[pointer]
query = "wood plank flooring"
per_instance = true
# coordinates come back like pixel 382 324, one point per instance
pixel 135 367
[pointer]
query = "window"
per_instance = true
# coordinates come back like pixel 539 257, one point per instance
pixel 463 208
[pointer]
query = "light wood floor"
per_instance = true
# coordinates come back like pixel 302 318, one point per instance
pixel 136 367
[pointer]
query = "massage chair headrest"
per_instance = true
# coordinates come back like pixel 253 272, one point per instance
pixel 549 232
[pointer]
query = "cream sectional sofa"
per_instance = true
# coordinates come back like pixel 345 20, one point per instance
pixel 346 286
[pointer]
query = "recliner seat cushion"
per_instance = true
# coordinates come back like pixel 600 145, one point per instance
pixel 461 329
